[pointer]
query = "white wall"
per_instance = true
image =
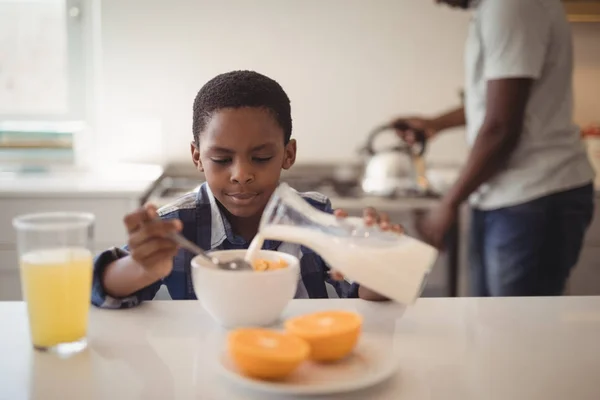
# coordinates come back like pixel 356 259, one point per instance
pixel 347 65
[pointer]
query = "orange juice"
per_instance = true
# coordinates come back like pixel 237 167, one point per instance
pixel 57 286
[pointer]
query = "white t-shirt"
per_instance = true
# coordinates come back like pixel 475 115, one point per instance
pixel 526 39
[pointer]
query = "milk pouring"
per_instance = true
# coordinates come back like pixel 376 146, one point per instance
pixel 393 265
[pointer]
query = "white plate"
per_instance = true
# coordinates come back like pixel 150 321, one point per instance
pixel 371 362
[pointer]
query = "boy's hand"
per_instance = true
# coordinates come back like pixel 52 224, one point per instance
pixel 149 244
pixel 370 217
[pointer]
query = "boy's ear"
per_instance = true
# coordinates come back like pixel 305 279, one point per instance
pixel 289 158
pixel 196 156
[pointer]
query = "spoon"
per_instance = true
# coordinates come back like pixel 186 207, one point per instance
pixel 237 264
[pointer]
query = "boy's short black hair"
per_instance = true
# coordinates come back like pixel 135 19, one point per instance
pixel 241 89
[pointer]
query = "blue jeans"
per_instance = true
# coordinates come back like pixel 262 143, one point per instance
pixel 529 249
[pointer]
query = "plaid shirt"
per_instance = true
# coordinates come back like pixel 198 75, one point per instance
pixel 205 225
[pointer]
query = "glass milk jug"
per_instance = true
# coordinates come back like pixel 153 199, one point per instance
pixel 393 265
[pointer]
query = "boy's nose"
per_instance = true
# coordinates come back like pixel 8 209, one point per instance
pixel 241 173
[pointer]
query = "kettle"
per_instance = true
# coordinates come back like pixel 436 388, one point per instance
pixel 397 170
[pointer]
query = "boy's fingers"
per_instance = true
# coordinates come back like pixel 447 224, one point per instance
pixel 384 221
pixel 151 211
pixel 370 216
pixel 369 212
pixel 135 219
pixel 340 213
pixel 176 224
pixel 152 247
pixel 153 229
pixel 384 218
pixel 335 275
pixel 397 228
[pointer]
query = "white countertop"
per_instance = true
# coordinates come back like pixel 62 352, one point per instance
pixel 129 180
pixel 451 349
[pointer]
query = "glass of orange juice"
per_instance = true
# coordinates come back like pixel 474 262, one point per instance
pixel 55 257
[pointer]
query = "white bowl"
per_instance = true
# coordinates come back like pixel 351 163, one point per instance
pixel 245 298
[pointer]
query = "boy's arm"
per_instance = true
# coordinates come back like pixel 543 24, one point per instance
pixel 344 288
pixel 116 264
pixel 371 217
pixel 368 294
pixel 124 278
pixel 347 289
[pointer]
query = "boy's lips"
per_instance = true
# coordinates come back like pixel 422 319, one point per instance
pixel 242 198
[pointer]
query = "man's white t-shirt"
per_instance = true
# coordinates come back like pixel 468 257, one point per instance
pixel 526 39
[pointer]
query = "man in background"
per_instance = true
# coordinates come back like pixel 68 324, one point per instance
pixel 527 175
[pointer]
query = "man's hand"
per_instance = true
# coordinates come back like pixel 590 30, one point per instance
pixel 436 224
pixel 415 124
pixel 431 126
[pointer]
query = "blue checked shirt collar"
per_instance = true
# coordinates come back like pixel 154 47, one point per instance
pixel 220 227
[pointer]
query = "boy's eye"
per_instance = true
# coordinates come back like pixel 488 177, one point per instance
pixel 262 159
pixel 221 160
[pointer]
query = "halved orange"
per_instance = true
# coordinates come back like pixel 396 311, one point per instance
pixel 266 354
pixel 331 335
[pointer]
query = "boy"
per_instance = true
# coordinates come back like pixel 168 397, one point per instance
pixel 242 126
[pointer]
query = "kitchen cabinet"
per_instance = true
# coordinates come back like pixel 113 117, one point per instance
pixel 585 278
pixel 108 191
pixel 109 214
pixel 10 284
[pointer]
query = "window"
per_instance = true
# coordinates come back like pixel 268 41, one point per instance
pixel 42 60
pixel 45 79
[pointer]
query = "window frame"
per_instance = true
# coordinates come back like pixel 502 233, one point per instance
pixel 82 30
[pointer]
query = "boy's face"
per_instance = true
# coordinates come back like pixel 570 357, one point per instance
pixel 241 152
